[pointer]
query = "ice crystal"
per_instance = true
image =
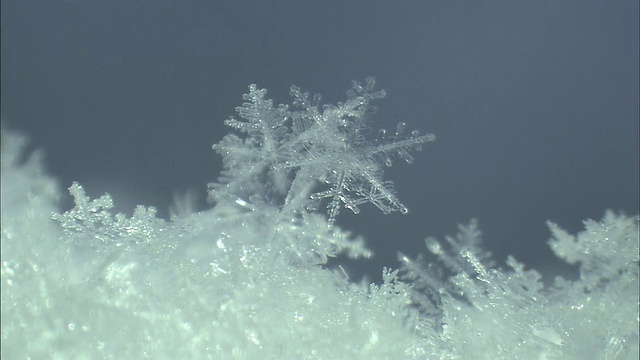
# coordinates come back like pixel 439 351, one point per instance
pixel 92 219
pixel 474 304
pixel 295 156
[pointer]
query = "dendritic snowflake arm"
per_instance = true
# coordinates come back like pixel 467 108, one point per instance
pixel 399 144
pixel 264 123
pixel 250 163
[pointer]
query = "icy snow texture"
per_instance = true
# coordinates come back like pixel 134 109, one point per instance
pixel 245 280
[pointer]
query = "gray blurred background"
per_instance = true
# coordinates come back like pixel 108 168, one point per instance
pixel 534 103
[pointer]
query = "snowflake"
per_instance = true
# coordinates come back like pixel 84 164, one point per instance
pixel 291 150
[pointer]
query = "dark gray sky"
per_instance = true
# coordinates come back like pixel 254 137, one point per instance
pixel 535 103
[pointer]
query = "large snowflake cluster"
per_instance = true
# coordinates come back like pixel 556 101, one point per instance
pixel 295 156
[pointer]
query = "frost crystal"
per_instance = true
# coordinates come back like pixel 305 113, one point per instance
pixel 91 223
pixel 290 150
pixel 604 250
pixel 507 314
